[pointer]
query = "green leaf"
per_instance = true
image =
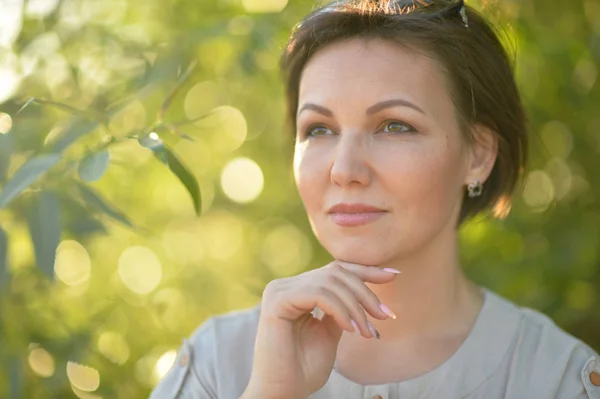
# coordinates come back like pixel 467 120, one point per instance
pixel 26 176
pixel 186 177
pixel 87 113
pixel 3 257
pixel 182 78
pixel 6 147
pixel 92 167
pixel 94 199
pixel 76 129
pixel 174 129
pixel 154 143
pixel 44 227
pixel 27 103
pixel 166 156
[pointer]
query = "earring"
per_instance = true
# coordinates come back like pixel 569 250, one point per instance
pixel 475 189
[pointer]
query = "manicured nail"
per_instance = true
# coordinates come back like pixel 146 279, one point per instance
pixel 356 329
pixel 390 270
pixel 387 311
pixel 373 330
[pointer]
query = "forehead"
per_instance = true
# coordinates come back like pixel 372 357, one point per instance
pixel 369 70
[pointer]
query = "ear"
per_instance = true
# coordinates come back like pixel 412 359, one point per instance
pixel 482 154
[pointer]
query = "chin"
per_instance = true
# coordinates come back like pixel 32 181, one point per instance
pixel 361 253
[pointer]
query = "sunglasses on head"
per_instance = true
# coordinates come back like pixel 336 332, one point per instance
pixel 431 8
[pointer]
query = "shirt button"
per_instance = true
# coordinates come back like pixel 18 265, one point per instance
pixel 184 360
pixel 595 378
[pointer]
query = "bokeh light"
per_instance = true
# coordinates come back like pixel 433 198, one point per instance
pixel 132 117
pixel 557 139
pixel 10 77
pixel 83 377
pixel 40 8
pixel 201 99
pixel 561 176
pixel 72 265
pixel 182 243
pixel 11 22
pixel 145 368
pixel 242 180
pixel 539 191
pixel 223 234
pixel 225 128
pixel 164 364
pixel 585 75
pixel 5 123
pixel 256 6
pixel 105 12
pixel 41 362
pixel 140 269
pixel 113 346
pixel 286 250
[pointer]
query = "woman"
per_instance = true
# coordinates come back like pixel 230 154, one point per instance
pixel 408 122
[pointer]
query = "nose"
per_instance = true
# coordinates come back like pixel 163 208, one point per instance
pixel 350 164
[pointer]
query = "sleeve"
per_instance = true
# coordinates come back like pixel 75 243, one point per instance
pixel 192 375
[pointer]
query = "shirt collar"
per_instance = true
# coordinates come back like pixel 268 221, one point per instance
pixel 479 356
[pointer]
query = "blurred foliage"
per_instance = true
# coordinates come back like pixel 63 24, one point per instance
pixel 145 176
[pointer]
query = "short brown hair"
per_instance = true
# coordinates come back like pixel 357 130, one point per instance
pixel 478 70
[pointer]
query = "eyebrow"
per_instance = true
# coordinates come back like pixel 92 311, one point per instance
pixel 370 111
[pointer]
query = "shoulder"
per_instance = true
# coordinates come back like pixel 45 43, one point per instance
pixel 216 361
pixel 235 327
pixel 556 363
pixel 223 347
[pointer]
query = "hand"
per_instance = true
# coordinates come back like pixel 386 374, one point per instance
pixel 295 352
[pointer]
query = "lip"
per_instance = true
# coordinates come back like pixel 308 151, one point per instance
pixel 354 208
pixel 354 214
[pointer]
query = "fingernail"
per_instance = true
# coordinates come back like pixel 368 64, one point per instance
pixel 387 311
pixel 373 330
pixel 356 329
pixel 390 270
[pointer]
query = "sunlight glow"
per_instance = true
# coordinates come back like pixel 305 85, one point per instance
pixel 5 123
pixel 164 364
pixel 73 265
pixel 10 78
pixel 140 269
pixel 83 377
pixel 41 362
pixel 286 250
pixel 242 180
pixel 113 346
pixel 256 6
pixel 539 191
pixel 11 22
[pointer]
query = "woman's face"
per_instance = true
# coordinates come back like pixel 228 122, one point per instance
pixel 377 131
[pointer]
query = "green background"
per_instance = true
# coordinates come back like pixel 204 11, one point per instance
pixel 161 222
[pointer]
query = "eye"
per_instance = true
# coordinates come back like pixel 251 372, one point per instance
pixel 318 130
pixel 398 127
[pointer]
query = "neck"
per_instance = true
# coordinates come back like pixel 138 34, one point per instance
pixel 432 297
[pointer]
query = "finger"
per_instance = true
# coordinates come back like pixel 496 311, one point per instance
pixel 331 305
pixel 371 274
pixel 362 294
pixel 348 298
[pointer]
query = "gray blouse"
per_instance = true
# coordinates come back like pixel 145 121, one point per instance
pixel 511 352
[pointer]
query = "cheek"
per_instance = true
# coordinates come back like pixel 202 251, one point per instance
pixel 424 176
pixel 309 171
